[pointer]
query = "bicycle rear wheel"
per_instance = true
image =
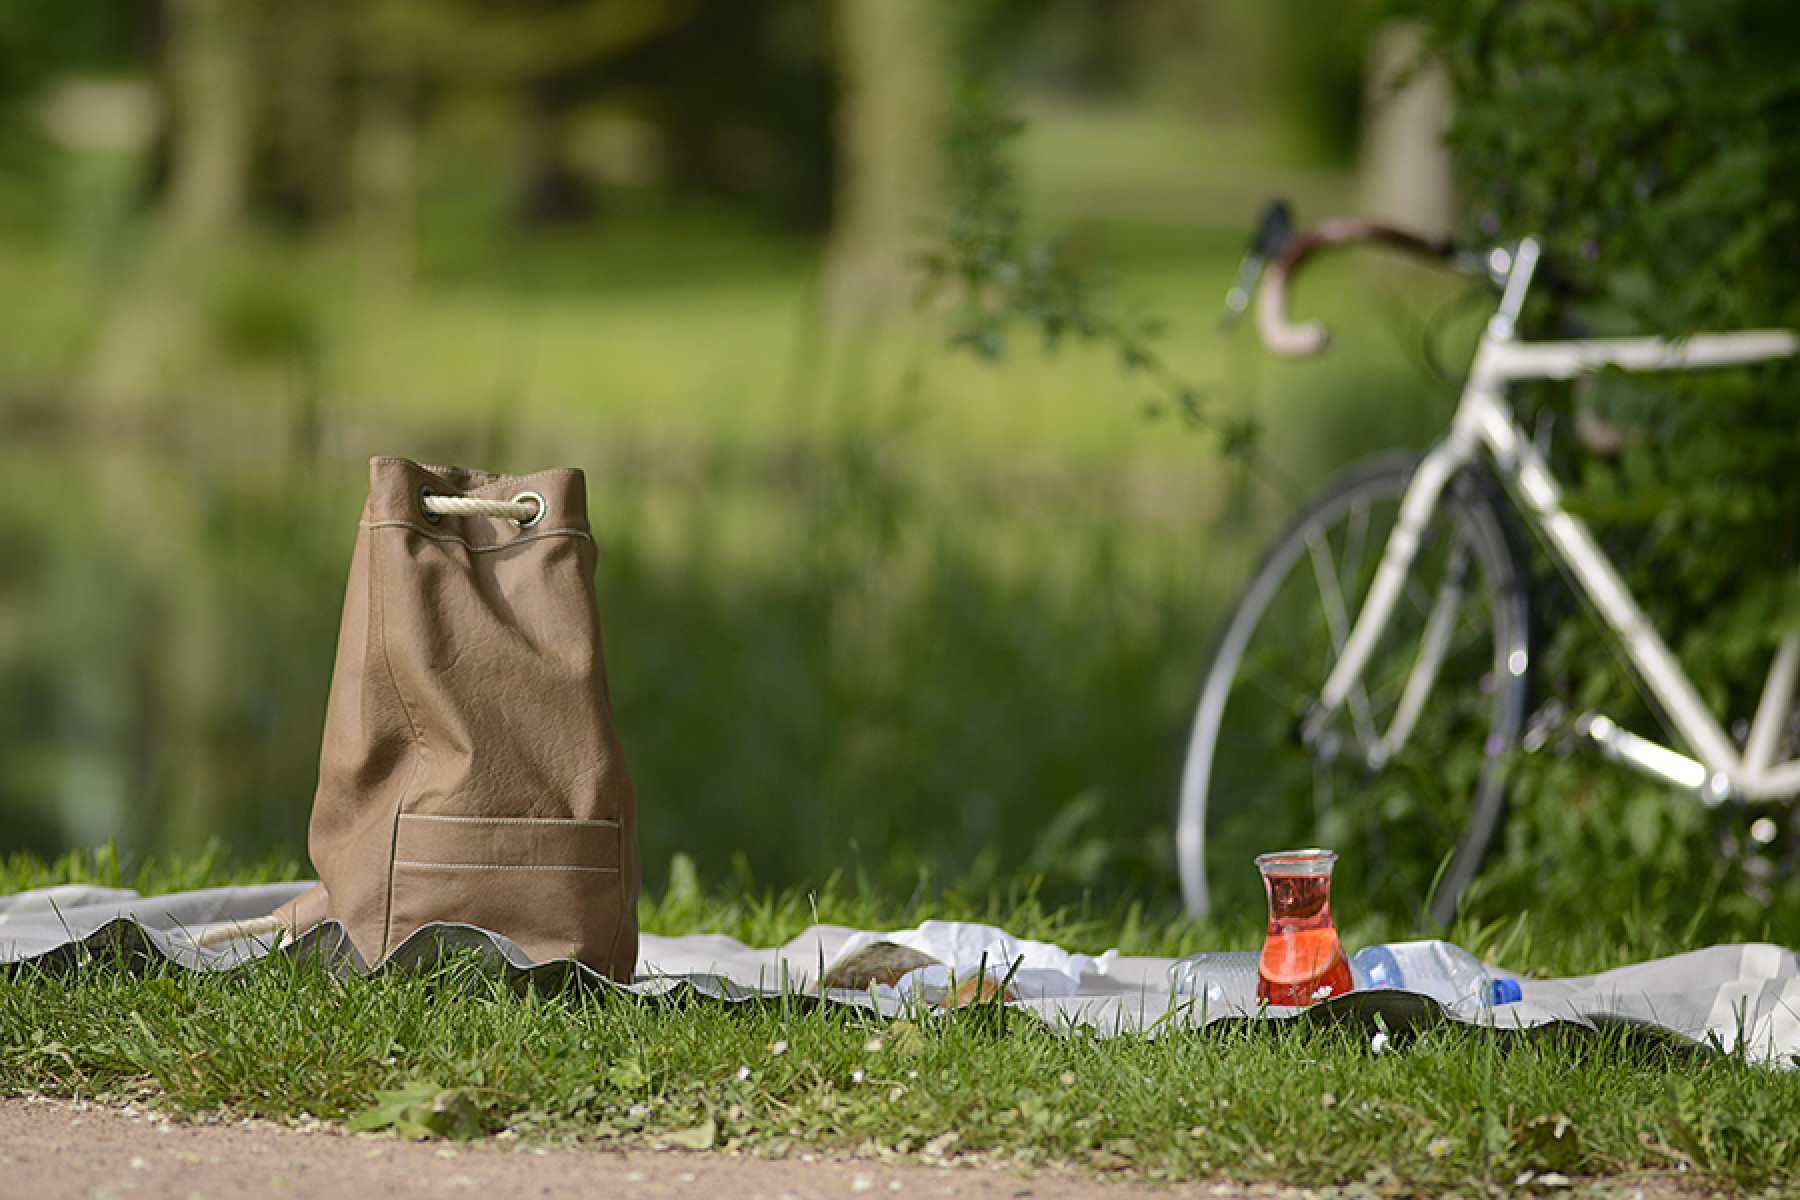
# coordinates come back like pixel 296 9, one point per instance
pixel 1411 827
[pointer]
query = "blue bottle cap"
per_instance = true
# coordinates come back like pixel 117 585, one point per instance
pixel 1504 991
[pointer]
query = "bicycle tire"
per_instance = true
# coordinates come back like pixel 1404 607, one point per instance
pixel 1412 832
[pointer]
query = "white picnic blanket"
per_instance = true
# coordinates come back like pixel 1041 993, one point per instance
pixel 1742 998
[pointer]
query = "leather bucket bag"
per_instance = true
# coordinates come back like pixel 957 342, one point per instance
pixel 470 770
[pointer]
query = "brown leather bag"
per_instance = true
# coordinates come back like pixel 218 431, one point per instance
pixel 470 770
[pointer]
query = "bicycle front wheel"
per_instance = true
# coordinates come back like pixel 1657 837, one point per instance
pixel 1406 781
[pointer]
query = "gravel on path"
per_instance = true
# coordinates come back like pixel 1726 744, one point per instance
pixel 59 1149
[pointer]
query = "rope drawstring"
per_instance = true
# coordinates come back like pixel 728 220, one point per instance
pixel 524 510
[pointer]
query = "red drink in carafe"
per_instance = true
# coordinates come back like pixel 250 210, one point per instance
pixel 1302 960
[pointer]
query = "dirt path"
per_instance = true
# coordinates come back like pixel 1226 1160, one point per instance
pixel 54 1149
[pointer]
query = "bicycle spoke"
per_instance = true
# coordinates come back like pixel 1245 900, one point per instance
pixel 1356 535
pixel 1338 617
pixel 1395 819
pixel 1294 703
pixel 1414 590
pixel 1433 645
pixel 1321 794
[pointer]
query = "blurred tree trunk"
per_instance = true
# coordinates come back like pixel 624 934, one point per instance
pixel 551 191
pixel 209 79
pixel 384 179
pixel 208 73
pixel 894 80
pixel 309 129
pixel 1405 172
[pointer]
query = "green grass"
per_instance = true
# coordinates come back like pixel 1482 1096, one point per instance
pixel 918 612
pixel 1446 1109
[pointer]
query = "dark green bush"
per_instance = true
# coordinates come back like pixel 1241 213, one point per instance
pixel 1651 144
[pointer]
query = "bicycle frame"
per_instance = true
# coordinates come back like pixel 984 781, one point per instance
pixel 1715 769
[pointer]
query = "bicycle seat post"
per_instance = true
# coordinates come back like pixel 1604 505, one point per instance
pixel 1516 266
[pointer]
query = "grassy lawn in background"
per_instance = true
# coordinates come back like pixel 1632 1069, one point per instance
pixel 1448 1109
pixel 732 350
pixel 871 607
pixel 981 592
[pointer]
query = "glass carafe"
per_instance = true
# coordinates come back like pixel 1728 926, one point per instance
pixel 1302 960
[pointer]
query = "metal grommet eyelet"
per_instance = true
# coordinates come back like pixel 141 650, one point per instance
pixel 543 507
pixel 425 493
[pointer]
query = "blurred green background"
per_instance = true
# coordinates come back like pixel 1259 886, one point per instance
pixel 871 607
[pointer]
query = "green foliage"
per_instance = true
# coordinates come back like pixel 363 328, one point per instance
pixel 999 276
pixel 1002 276
pixel 1650 144
pixel 162 715
pixel 39 38
pixel 419 1110
pixel 894 700
pixel 1318 57
pixel 1649 141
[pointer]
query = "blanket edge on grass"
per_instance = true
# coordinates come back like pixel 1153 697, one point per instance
pixel 1741 999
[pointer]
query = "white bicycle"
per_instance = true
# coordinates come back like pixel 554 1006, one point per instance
pixel 1389 625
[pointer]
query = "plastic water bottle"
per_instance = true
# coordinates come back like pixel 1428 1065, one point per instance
pixel 1220 982
pixel 1445 972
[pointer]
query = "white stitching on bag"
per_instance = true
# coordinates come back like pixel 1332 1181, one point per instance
pixel 450 537
pixel 600 823
pixel 437 866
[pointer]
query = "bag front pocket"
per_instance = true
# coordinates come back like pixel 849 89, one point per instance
pixel 553 885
